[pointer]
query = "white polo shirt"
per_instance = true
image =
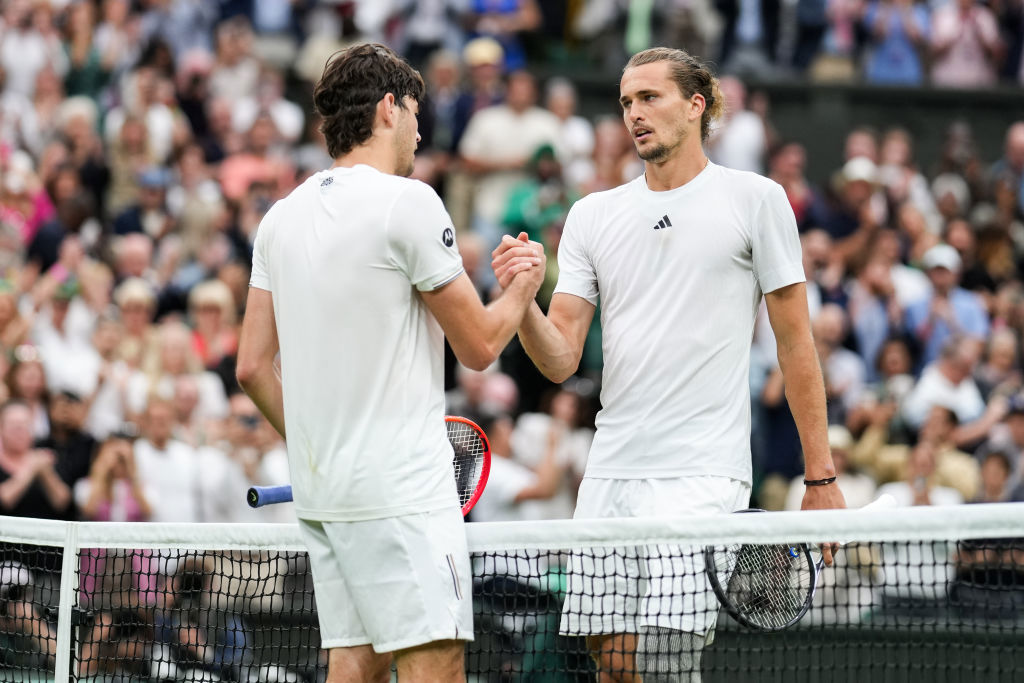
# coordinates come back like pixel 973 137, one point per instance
pixel 680 275
pixel 361 355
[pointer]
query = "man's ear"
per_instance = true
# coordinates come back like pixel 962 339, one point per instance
pixel 387 109
pixel 697 106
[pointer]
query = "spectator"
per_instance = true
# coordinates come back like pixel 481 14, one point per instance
pixel 33 483
pixel 136 304
pixel 949 310
pixel 740 140
pixel 888 462
pixel 995 479
pixel 212 309
pixel 497 146
pixel 965 44
pixel 787 164
pixel 875 312
pixel 517 484
pixel 576 141
pixel 167 465
pixel 26 382
pixel 919 487
pixel 844 371
pixel 22 616
pixel 948 382
pixel 898 29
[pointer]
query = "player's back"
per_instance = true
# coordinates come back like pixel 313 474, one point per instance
pixel 362 356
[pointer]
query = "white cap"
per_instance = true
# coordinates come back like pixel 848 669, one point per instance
pixel 839 438
pixel 13 574
pixel 860 168
pixel 941 256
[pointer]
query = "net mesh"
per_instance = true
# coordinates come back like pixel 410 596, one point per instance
pixel 933 600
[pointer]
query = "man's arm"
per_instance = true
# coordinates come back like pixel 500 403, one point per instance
pixel 257 348
pixel 478 333
pixel 805 389
pixel 554 343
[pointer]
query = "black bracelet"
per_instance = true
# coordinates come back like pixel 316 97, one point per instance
pixel 819 482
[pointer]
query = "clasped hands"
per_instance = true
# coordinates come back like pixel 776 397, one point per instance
pixel 518 257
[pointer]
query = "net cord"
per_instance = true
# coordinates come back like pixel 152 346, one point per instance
pixel 998 520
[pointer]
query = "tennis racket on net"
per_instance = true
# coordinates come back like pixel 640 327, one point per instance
pixel 471 464
pixel 767 587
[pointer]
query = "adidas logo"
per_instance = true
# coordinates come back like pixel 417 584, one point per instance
pixel 327 181
pixel 663 223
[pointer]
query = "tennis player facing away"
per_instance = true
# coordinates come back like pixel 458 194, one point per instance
pixel 680 257
pixel 356 279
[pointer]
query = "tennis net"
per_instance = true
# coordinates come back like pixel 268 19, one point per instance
pixel 916 594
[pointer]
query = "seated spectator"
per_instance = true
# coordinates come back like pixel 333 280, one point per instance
pixel 32 481
pixel 844 371
pixel 167 465
pixel 949 310
pixel 214 337
pixel 739 140
pixel 888 462
pixel 512 484
pixel 965 45
pixel 69 442
pixel 995 479
pixel 14 327
pixel 21 615
pixel 149 215
pixel 947 382
pixel 999 372
pixel 170 357
pixel 107 402
pixel 897 30
pixel 62 332
pixel 26 382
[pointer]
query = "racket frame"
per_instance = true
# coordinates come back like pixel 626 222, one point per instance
pixel 722 591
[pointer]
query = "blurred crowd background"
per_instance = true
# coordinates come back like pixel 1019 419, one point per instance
pixel 141 142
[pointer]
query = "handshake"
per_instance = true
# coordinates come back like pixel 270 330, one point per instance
pixel 521 260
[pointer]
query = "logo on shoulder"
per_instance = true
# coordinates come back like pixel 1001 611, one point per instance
pixel 327 181
pixel 448 237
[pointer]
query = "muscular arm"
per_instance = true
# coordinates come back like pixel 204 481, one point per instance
pixel 554 343
pixel 805 389
pixel 257 347
pixel 478 333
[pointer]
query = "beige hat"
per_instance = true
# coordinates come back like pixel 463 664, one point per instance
pixel 481 51
pixel 839 438
pixel 941 256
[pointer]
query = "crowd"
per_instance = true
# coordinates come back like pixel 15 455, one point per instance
pixel 141 143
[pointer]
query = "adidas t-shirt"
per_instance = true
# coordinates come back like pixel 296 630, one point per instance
pixel 680 275
pixel 344 256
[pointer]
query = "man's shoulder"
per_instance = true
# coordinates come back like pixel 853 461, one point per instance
pixel 738 180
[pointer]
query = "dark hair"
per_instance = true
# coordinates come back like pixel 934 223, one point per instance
pixel 354 81
pixel 691 76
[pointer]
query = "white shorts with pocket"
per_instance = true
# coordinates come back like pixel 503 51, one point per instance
pixel 625 590
pixel 392 583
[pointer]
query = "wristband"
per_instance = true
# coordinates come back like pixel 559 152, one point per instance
pixel 819 482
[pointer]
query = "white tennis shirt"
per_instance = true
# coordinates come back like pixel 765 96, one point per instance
pixel 680 275
pixel 361 355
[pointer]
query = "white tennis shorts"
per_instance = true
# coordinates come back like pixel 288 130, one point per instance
pixel 625 590
pixel 392 583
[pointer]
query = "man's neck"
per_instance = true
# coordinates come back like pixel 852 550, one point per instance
pixel 675 172
pixel 373 154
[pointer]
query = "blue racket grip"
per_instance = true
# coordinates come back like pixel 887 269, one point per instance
pixel 258 496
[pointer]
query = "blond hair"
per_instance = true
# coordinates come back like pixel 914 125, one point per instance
pixel 217 293
pixel 691 76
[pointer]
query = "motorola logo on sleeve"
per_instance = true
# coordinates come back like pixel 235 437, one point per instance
pixel 448 237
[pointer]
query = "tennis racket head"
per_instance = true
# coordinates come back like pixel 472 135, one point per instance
pixel 764 587
pixel 471 460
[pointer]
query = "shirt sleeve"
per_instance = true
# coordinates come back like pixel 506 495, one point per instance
pixel 260 277
pixel 421 238
pixel 775 243
pixel 576 273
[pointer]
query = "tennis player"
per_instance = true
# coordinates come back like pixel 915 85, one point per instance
pixel 680 258
pixel 356 279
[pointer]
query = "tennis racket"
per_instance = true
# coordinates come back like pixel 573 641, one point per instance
pixel 471 464
pixel 767 587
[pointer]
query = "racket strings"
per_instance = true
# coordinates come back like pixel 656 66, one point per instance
pixel 769 584
pixel 468 458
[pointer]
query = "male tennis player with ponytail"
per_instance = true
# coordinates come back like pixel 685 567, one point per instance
pixel 356 279
pixel 680 258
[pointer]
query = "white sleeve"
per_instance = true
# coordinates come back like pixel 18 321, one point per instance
pixel 576 273
pixel 775 243
pixel 421 238
pixel 260 277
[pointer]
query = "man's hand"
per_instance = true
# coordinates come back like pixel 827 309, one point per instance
pixel 515 255
pixel 826 497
